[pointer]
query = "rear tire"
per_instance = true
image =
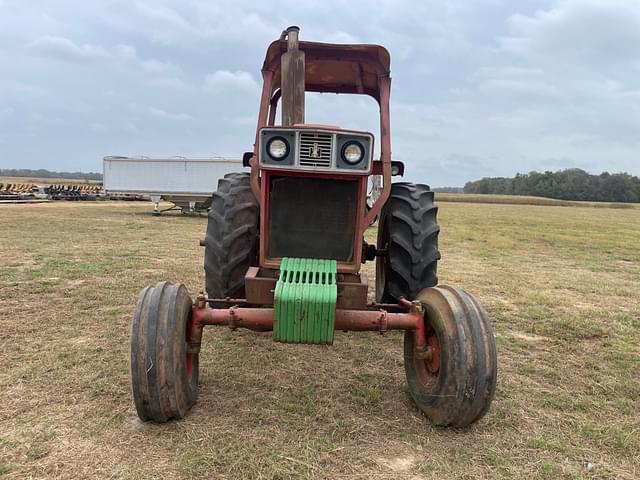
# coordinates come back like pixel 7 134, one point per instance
pixel 408 230
pixel 164 376
pixel 231 242
pixel 456 384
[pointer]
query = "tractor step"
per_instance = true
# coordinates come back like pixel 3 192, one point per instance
pixel 305 301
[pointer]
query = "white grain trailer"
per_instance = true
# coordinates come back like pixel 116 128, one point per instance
pixel 186 182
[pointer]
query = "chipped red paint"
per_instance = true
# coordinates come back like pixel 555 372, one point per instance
pixel 261 319
pixel 357 69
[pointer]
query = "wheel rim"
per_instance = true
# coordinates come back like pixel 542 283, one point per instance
pixel 428 368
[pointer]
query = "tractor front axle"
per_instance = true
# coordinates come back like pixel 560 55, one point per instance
pixel 262 319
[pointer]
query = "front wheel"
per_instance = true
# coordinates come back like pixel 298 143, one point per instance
pixel 164 373
pixel 453 380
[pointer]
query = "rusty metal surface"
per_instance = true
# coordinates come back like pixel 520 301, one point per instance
pixel 377 167
pixel 352 266
pixel 352 291
pixel 292 82
pixel 335 68
pixel 385 152
pixel 261 319
pixel 360 69
pixel 273 107
pixel 260 284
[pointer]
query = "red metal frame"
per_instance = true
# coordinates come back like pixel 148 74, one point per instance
pixel 377 84
pixel 261 319
pixel 260 285
pixel 343 267
pixel 371 55
pixel 376 318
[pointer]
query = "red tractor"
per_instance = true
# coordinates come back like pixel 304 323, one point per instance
pixel 285 243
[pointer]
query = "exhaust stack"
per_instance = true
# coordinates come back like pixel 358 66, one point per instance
pixel 292 79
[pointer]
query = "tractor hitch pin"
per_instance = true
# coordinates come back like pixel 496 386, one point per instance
pixel 382 322
pixel 416 307
pixel 201 300
pixel 232 318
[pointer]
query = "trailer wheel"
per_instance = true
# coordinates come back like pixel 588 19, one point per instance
pixel 164 375
pixel 453 382
pixel 231 242
pixel 408 234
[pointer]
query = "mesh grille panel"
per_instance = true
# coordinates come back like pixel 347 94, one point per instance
pixel 312 218
pixel 315 149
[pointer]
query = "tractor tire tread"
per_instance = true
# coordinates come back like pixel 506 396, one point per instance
pixel 410 214
pixel 231 240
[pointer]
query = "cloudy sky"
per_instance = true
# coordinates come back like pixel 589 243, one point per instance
pixel 480 88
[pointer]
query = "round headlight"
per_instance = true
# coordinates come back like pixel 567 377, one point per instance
pixel 278 148
pixel 352 152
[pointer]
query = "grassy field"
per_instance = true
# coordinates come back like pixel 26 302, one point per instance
pixel 561 284
pixel 526 200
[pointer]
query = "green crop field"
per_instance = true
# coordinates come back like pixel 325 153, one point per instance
pixel 561 283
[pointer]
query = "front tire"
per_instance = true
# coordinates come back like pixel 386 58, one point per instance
pixel 408 232
pixel 454 383
pixel 164 375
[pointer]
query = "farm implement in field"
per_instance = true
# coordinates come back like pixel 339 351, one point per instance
pixel 58 191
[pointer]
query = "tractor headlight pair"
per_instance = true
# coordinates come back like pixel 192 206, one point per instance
pixel 278 148
pixel 352 152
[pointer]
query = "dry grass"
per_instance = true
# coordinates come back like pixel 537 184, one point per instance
pixel 560 283
pixel 525 200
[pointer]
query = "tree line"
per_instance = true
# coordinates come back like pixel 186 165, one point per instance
pixel 569 184
pixel 42 173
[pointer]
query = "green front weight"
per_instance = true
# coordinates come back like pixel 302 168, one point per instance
pixel 305 301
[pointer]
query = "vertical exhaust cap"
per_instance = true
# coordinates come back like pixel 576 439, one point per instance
pixel 292 37
pixel 292 80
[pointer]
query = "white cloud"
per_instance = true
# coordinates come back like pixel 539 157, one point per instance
pixel 174 83
pixel 126 52
pixel 601 31
pixel 65 49
pixel 155 66
pixel 98 127
pixel 6 112
pixel 517 81
pixel 225 81
pixel 158 112
pixel 165 16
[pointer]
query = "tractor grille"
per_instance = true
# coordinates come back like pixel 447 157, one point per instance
pixel 315 149
pixel 312 218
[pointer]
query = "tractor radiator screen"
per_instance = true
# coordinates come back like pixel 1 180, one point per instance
pixel 312 218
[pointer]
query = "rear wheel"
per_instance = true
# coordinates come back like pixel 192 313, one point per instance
pixel 164 374
pixel 453 380
pixel 231 242
pixel 408 234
